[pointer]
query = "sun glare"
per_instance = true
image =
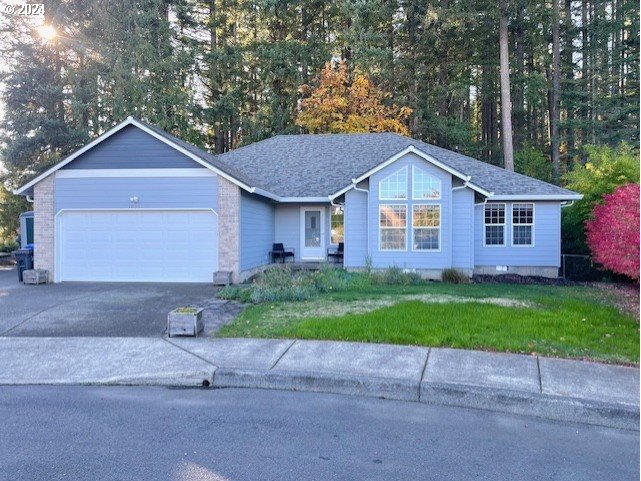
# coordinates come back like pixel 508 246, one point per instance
pixel 47 32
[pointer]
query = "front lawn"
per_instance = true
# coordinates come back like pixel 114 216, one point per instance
pixel 572 322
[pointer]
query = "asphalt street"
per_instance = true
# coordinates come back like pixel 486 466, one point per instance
pixel 137 433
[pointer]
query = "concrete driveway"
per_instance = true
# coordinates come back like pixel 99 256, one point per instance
pixel 102 309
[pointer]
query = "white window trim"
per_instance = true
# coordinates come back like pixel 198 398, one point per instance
pixel 440 185
pixel 331 207
pixel 485 244
pixel 515 225
pixel 380 229
pixel 397 199
pixel 440 228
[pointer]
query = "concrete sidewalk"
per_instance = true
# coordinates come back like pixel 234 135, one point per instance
pixel 551 388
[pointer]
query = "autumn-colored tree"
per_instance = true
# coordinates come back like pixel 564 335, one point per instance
pixel 613 232
pixel 347 102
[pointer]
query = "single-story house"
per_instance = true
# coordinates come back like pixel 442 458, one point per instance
pixel 139 204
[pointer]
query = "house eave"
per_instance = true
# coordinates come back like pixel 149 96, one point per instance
pixel 551 197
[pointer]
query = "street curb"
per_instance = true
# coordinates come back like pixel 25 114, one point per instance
pixel 164 379
pixel 387 388
pixel 558 408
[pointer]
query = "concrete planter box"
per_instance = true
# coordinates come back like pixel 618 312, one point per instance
pixel 185 321
pixel 35 276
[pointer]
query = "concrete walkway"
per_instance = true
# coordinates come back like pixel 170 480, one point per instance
pixel 551 388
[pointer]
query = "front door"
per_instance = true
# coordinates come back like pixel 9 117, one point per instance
pixel 312 233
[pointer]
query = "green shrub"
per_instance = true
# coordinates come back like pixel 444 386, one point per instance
pixel 279 283
pixel 9 245
pixel 395 276
pixel 454 276
pixel 236 293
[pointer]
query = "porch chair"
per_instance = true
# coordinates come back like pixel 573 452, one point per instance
pixel 338 253
pixel 279 252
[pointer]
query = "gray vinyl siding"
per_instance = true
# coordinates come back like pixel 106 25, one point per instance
pixel 132 148
pixel 463 228
pixel 288 226
pixel 408 258
pixel 355 229
pixel 547 239
pixel 152 192
pixel 257 224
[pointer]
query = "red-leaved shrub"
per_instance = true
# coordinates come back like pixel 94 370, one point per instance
pixel 613 231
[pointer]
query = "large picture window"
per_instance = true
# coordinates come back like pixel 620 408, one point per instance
pixel 426 227
pixel 425 186
pixel 394 187
pixel 393 227
pixel 522 224
pixel 337 226
pixel 494 224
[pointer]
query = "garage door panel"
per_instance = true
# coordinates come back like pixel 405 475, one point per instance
pixel 145 246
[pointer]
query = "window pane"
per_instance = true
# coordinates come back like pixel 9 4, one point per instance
pixel 495 213
pixel 424 186
pixel 522 235
pixel 426 239
pixel 494 235
pixel 312 230
pixel 522 213
pixel 392 239
pixel 394 186
pixel 337 226
pixel 393 216
pixel 426 216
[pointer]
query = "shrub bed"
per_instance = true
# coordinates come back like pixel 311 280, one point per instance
pixel 279 283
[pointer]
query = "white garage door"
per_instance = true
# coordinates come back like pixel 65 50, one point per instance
pixel 137 245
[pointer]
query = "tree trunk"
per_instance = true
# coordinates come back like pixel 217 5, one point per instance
pixel 556 88
pixel 569 76
pixel 506 106
pixel 518 106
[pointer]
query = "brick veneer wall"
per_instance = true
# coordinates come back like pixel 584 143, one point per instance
pixel 229 227
pixel 44 226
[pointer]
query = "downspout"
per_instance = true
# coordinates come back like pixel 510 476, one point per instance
pixel 30 199
pixel 567 204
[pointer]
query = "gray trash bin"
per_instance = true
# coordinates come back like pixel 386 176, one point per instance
pixel 24 261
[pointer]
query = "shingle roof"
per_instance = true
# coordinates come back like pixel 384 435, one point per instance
pixel 320 165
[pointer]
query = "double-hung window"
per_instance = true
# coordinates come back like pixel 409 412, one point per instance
pixel 393 227
pixel 522 224
pixel 426 227
pixel 494 225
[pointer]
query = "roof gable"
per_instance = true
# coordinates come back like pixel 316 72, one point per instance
pixel 132 148
pixel 197 155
